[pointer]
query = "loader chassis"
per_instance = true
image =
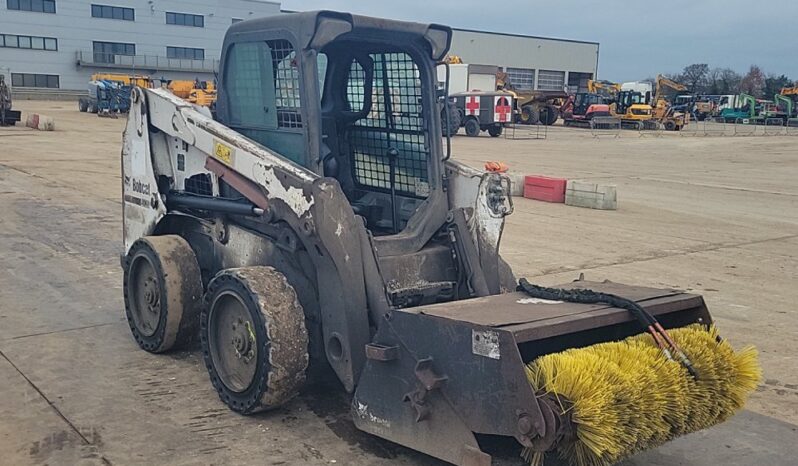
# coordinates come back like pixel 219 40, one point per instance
pixel 315 223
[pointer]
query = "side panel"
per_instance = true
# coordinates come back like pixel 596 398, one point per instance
pixel 142 207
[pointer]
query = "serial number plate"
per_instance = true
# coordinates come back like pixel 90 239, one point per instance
pixel 223 152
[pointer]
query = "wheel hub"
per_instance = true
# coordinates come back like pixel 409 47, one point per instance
pixel 145 298
pixel 232 341
pixel 152 295
pixel 243 340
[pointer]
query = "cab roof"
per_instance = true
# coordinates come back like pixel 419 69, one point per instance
pixel 315 29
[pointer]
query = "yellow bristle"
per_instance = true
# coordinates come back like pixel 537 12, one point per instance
pixel 626 396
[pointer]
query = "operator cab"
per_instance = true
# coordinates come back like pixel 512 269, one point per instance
pixel 349 98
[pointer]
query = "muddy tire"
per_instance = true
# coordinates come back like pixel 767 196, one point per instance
pixel 472 128
pixel 530 115
pixel 163 292
pixel 254 339
pixel 454 119
pixel 549 115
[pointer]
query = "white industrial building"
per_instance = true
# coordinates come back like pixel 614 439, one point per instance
pixel 531 62
pixel 55 45
pixel 60 43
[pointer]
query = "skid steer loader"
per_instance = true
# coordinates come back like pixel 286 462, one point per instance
pixel 318 221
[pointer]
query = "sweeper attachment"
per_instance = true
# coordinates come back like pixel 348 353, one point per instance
pixel 316 225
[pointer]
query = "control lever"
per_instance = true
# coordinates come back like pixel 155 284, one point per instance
pixel 393 155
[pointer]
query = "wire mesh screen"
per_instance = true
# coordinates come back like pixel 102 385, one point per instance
pixel 395 121
pixel 286 84
pixel 199 184
pixel 355 87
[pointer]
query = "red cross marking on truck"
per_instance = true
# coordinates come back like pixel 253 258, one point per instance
pixel 503 109
pixel 472 105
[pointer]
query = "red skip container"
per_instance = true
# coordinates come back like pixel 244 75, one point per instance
pixel 543 188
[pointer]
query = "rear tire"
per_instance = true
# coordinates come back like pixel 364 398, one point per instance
pixel 454 119
pixel 82 106
pixel 163 292
pixel 472 128
pixel 670 125
pixel 549 115
pixel 495 131
pixel 530 115
pixel 254 340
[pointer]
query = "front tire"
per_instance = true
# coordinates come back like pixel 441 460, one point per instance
pixel 254 340
pixel 472 128
pixel 163 292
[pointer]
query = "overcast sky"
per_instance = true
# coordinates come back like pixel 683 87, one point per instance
pixel 638 38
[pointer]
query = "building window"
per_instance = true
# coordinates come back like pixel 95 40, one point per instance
pixel 521 79
pixel 106 52
pixel 28 42
pixel 39 6
pixel 237 20
pixel 34 80
pixel 113 12
pixel 185 52
pixel 185 19
pixel 551 80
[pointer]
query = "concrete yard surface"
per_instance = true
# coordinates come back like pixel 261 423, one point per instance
pixel 716 216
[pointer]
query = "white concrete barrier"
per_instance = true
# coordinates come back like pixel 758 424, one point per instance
pixel 591 195
pixel 40 122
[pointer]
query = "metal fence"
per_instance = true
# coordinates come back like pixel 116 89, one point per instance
pixel 742 127
pixel 525 132
pixel 605 126
pixel 745 127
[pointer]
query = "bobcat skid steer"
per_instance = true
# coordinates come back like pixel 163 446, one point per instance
pixel 316 217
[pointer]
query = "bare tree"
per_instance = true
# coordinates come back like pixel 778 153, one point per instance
pixel 728 81
pixel 753 83
pixel 695 77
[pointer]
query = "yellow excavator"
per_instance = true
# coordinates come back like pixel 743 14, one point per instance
pixel 605 89
pixel 664 111
pixel 630 107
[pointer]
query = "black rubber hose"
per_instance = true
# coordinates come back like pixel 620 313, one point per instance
pixel 585 296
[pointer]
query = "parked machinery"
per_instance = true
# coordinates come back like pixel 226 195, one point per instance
pixel 580 109
pixel 747 111
pixel 106 98
pixel 483 111
pixel 607 89
pixel 202 93
pixel 631 108
pixel 8 116
pixel 323 225
pixel 532 106
pixel 665 110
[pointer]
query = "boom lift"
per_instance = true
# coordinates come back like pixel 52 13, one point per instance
pixel 317 221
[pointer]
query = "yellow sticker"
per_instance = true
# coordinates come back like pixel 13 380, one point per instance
pixel 223 152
